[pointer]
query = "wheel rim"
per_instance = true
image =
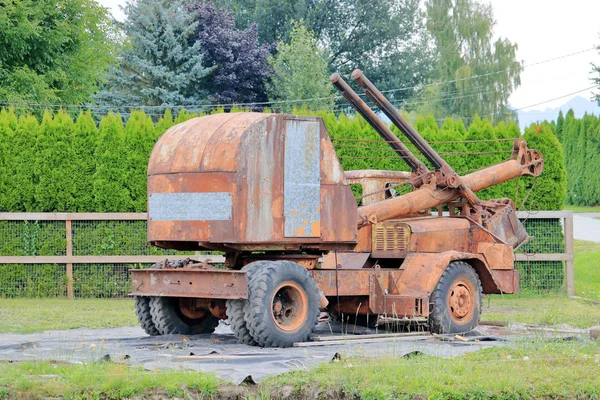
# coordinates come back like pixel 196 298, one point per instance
pixel 289 306
pixel 192 308
pixel 461 301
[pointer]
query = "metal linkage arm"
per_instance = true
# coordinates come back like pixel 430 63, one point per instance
pixel 413 162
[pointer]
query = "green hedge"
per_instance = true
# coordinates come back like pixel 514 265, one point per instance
pixel 66 165
pixel 61 164
pixel 580 140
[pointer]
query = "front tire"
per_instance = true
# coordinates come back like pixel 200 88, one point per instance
pixel 283 304
pixel 169 317
pixel 456 300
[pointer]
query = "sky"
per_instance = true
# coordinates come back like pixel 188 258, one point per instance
pixel 543 29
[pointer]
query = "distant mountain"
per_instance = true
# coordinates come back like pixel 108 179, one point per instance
pixel 579 105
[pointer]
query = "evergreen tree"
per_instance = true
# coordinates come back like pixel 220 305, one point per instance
pixel 589 155
pixel 238 63
pixel 8 124
pixel 139 141
pixel 56 165
pixel 161 66
pixel 551 186
pixel 85 143
pixel 300 72
pixel 451 132
pixel 559 125
pixel 109 187
pixel 22 178
pixel 569 135
pixel 164 123
pixel 596 79
pixel 485 151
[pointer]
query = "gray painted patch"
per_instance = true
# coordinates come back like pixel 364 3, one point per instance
pixel 302 173
pixel 190 206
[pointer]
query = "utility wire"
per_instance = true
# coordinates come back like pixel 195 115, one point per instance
pixel 556 98
pixel 266 103
pixel 494 73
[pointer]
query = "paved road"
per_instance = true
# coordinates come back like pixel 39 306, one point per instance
pixel 586 227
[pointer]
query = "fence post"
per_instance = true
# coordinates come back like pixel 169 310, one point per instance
pixel 569 249
pixel 69 254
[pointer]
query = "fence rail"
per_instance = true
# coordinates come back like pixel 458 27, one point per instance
pixel 552 243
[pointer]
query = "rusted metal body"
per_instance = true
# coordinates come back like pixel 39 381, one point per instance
pixel 249 181
pixel 243 183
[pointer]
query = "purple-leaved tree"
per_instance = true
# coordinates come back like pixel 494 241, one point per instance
pixel 240 63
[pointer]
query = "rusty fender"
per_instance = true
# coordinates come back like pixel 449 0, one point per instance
pixel 189 282
pixel 422 271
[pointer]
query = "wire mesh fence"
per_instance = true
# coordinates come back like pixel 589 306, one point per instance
pixel 547 236
pixel 113 238
pixel 33 238
pixel 33 280
pixel 127 237
pixel 103 280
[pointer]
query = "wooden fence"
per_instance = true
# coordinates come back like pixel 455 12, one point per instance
pixel 566 218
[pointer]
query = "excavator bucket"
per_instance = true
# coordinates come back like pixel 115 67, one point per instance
pixel 505 226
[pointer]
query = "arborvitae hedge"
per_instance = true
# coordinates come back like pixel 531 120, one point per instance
pixel 580 140
pixel 66 165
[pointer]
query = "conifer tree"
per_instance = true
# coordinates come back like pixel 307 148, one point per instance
pixel 559 125
pixel 451 132
pixel 8 124
pixel 485 151
pixel 56 172
pixel 162 67
pixel 164 123
pixel 550 187
pixel 85 143
pixel 23 180
pixel 139 141
pixel 109 189
pixel 570 132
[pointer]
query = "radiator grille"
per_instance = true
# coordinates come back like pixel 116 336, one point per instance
pixel 391 236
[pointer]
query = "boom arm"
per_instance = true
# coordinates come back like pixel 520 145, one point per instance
pixel 444 185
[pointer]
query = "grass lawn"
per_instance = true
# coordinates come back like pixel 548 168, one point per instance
pixel 46 379
pixel 525 370
pixel 38 315
pixel 532 369
pixel 587 269
pixel 582 209
pixel 548 309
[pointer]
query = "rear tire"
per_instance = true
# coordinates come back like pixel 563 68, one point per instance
pixel 168 318
pixel 456 300
pixel 235 310
pixel 283 304
pixel 142 310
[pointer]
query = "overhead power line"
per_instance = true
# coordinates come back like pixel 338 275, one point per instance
pixel 293 101
pixel 493 73
pixel 557 98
